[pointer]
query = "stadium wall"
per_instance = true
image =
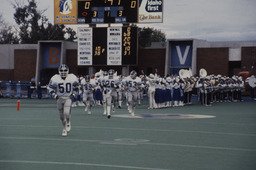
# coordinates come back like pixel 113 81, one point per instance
pixel 225 58
pixel 22 62
pixel 151 59
pixel 8 62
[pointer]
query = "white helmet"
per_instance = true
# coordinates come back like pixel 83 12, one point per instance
pixel 63 71
pixel 111 73
pixel 133 74
pixel 105 73
pixel 151 76
pixel 87 78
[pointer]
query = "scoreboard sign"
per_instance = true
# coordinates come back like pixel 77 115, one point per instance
pixel 107 11
pixel 65 12
pixel 150 11
pixel 107 46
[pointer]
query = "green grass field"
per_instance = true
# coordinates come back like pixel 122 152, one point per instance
pixel 30 139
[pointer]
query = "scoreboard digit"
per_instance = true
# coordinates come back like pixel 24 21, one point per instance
pixel 129 45
pixel 107 11
pixel 99 46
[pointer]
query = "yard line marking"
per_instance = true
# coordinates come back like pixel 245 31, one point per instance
pixel 50 139
pixel 146 143
pixel 79 164
pixel 137 129
pixel 203 147
pixel 169 130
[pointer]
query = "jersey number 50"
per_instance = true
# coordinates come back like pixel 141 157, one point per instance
pixel 63 89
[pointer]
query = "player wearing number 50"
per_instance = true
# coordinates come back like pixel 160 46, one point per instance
pixel 61 87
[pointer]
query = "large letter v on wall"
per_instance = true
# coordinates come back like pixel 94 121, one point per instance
pixel 182 58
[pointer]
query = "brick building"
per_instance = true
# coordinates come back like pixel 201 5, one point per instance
pixel 224 58
pixel 22 62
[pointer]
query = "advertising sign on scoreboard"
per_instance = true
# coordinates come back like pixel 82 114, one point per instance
pixel 150 11
pixel 107 46
pixel 65 12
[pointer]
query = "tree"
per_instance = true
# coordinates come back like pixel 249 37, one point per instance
pixel 149 35
pixel 35 26
pixel 7 33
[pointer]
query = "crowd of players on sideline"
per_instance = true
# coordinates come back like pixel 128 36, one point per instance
pixel 169 91
pixel 218 88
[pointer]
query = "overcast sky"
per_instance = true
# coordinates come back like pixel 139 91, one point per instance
pixel 212 20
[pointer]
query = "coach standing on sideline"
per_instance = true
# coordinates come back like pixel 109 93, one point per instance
pixel 61 87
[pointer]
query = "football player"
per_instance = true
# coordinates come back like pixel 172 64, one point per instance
pixel 132 83
pixel 61 88
pixel 109 85
pixel 121 92
pixel 88 85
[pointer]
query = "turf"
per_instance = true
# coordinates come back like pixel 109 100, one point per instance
pixel 31 138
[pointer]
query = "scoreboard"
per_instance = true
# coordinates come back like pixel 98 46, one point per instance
pixel 107 11
pixel 107 46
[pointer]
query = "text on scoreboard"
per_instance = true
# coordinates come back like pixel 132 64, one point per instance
pixel 107 46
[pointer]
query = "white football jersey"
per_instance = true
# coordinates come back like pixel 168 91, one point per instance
pixel 88 86
pixel 110 84
pixel 63 87
pixel 132 84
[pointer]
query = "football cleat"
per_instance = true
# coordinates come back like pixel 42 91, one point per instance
pixel 89 112
pixel 109 116
pixel 64 132
pixel 68 126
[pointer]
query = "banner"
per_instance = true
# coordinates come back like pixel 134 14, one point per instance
pixel 85 37
pixel 51 54
pixel 181 54
pixel 65 11
pixel 151 11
